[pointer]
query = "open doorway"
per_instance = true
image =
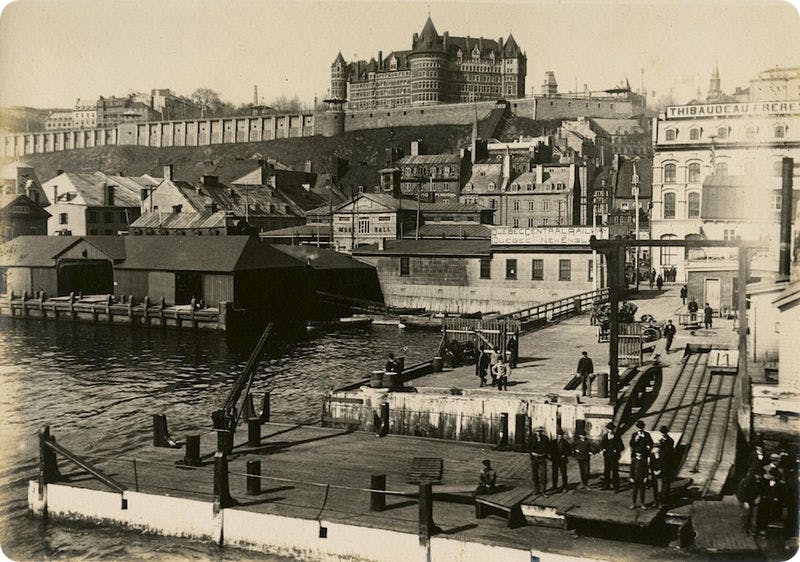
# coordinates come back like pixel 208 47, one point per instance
pixel 88 277
pixel 188 285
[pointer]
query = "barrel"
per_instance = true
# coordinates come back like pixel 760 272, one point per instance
pixel 376 380
pixel 392 380
pixel 437 364
pixel 602 385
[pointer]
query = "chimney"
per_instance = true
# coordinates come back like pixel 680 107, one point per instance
pixel 267 170
pixel 380 60
pixel 539 174
pixel 59 172
pixel 55 193
pixel 480 45
pixel 784 254
pixel 209 180
pixel 417 147
pixel 309 167
pixel 381 244
pixel 507 166
pixel 500 46
pixel 445 39
pixel 168 172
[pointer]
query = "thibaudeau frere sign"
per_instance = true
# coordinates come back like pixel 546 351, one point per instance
pixel 751 109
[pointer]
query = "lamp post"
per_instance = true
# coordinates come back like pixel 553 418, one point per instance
pixel 635 191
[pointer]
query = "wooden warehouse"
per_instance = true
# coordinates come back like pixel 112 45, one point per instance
pixel 60 265
pixel 242 270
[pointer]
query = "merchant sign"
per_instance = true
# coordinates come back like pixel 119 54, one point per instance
pixel 565 235
pixel 733 109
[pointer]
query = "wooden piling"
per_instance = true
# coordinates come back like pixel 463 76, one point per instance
pixel 192 455
pixel 377 500
pixel 224 441
pixel 222 494
pixel 254 432
pixel 426 525
pixel 253 478
pixel 265 407
pixel 503 436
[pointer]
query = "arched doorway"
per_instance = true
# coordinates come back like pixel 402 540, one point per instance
pixel 89 277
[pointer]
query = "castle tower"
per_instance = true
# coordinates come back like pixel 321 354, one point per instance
pixel 339 78
pixel 514 69
pixel 427 62
pixel 549 86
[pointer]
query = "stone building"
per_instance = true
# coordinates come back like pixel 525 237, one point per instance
pixel 437 69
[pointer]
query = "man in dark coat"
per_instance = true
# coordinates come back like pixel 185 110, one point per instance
pixel 639 473
pixel 560 450
pixel 641 442
pixel 684 293
pixel 657 476
pixel 539 449
pixel 773 500
pixel 487 479
pixel 513 350
pixel 392 365
pixel 659 281
pixel 585 368
pixel 669 333
pixel 582 451
pixel 747 492
pixel 482 366
pixel 667 446
pixel 707 316
pixel 611 447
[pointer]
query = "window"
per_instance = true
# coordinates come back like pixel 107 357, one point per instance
pixel 492 203
pixel 531 223
pixel 491 186
pixel 729 234
pixel 669 173
pixel 63 218
pixel 486 268
pixel 564 270
pixel 545 205
pixel 669 254
pixel 511 269
pixel 670 135
pixel 776 201
pixel 721 169
pixel 694 134
pixel 91 216
pixel 669 205
pixel 694 172
pixel 516 205
pixel 694 205
pixel 590 274
pixel 537 269
pixel 108 217
pixel 363 226
pixel 404 267
pixel 515 223
pixel 530 206
pixel 722 133
pixel 780 130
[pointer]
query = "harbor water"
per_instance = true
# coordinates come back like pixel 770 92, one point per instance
pixel 104 383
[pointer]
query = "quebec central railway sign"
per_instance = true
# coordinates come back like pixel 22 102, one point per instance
pixel 566 235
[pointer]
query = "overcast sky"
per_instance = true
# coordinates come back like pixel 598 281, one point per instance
pixel 55 51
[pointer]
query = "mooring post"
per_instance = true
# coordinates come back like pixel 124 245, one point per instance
pixel 248 410
pixel 254 432
pixel 192 456
pixel 222 493
pixel 377 500
pixel 426 525
pixel 48 464
pixel 384 429
pixel 253 478
pixel 265 407
pixel 161 436
pixel 224 441
pixel 520 421
pixel 503 436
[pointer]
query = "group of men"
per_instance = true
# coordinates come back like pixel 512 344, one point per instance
pixel 708 313
pixel 769 487
pixel 650 461
pixel 490 363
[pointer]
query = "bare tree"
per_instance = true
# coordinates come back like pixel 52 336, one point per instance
pixel 208 100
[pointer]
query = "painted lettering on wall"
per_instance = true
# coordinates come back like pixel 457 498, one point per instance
pixel 546 235
pixel 732 109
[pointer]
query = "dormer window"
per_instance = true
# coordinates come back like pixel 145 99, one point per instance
pixel 468 187
pixel 492 186
pixel 694 134
pixel 515 187
pixel 780 131
pixel 671 134
pixel 476 54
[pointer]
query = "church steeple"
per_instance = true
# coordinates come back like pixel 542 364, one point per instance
pixel 714 85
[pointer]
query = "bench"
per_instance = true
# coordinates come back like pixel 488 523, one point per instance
pixel 509 502
pixel 426 470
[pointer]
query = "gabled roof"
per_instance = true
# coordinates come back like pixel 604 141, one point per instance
pixel 35 251
pixel 484 174
pixel 452 159
pixel 91 188
pixel 181 221
pixel 428 247
pixel 321 258
pixel 222 254
pixel 7 200
pixel 111 246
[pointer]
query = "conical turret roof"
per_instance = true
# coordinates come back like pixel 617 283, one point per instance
pixel 428 39
pixel 511 49
pixel 340 59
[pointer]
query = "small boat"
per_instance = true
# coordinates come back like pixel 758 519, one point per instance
pixel 355 321
pixel 347 322
pixel 421 322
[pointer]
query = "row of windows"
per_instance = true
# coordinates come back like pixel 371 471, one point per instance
pixel 537 269
pixel 108 216
pixel 693 204
pixel 722 133
pixel 693 170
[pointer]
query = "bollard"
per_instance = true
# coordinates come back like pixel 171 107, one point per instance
pixel 192 456
pixel 377 500
pixel 161 437
pixel 520 430
pixel 248 410
pixel 253 478
pixel 503 436
pixel 254 432
pixel 426 525
pixel 265 404
pixel 602 385
pixel 384 429
pixel 48 464
pixel 222 493
pixel 224 441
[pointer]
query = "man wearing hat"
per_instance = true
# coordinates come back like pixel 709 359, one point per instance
pixel 667 446
pixel 641 442
pixel 585 368
pixel 539 449
pixel 773 498
pixel 639 473
pixel 657 475
pixel 559 456
pixel 611 447
pixel 582 453
pixel 488 479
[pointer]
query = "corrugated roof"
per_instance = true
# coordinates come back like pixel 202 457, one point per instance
pixel 35 251
pixel 221 254
pixel 299 230
pixel 205 219
pixel 453 231
pixel 321 258
pixel 92 188
pixel 429 159
pixel 428 247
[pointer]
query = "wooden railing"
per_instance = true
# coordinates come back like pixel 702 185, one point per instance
pixel 547 311
pixel 491 332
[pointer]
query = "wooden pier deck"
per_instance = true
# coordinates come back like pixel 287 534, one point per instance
pixel 299 462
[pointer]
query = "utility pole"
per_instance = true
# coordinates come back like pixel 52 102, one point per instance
pixel 635 191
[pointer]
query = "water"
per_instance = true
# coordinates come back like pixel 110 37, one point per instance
pixel 103 383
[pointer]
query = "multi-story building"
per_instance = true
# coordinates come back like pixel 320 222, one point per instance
pixel 87 204
pixel 20 215
pixel 169 105
pixel 716 173
pixel 437 69
pixel 58 120
pixel 113 111
pixel 84 116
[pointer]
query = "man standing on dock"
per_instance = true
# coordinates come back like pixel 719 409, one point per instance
pixel 585 368
pixel 539 449
pixel 669 333
pixel 684 293
pixel 513 350
pixel 641 442
pixel 611 447
pixel 708 312
pixel 582 453
pixel 559 456
pixel 638 478
pixel 667 446
pixel 482 366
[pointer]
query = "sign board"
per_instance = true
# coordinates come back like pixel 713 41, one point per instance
pixel 566 235
pixel 750 109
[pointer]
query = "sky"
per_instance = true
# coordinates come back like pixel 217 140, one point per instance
pixel 53 52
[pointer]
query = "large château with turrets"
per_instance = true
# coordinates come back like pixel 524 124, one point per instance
pixel 437 69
